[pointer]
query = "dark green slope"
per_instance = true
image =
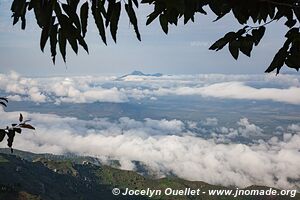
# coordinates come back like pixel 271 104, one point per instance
pixel 35 179
pixel 26 176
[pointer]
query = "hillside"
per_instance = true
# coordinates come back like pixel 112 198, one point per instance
pixel 32 176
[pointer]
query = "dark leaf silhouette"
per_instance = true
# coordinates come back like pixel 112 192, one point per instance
pixel 4 99
pixel 18 130
pixel 21 118
pixel 28 126
pixel 11 134
pixel 133 19
pixel 84 11
pixel 72 25
pixel 11 131
pixel 2 134
pixel 3 104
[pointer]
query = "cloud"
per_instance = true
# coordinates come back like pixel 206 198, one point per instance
pixel 247 129
pixel 236 90
pixel 88 89
pixel 271 162
pixel 211 121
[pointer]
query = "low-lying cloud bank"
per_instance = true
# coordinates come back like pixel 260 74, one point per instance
pixel 284 88
pixel 173 146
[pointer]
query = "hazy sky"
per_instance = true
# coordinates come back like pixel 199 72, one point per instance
pixel 183 51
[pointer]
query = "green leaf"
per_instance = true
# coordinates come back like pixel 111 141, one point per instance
pixel 164 23
pixel 234 48
pixel 133 19
pixel 84 12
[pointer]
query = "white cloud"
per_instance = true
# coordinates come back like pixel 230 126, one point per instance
pixel 88 89
pixel 247 129
pixel 211 121
pixel 269 162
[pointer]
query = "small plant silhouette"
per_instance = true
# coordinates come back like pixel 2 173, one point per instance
pixel 10 131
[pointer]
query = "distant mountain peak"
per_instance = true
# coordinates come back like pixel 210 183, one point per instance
pixel 139 73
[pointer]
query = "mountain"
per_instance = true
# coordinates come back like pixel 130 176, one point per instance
pixel 27 176
pixel 139 73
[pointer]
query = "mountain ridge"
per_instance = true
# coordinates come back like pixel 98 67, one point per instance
pixel 139 73
pixel 27 176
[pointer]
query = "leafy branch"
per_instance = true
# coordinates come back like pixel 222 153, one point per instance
pixel 10 131
pixel 65 24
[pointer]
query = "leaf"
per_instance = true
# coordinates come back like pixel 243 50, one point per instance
pixel 246 45
pixel 3 104
pixel 18 130
pixel 84 12
pixel 73 42
pixel 258 34
pixel 82 42
pixel 221 43
pixel 2 134
pixel 110 8
pixel 21 118
pixel 152 17
pixel 11 134
pixel 73 4
pixel 164 23
pixel 4 99
pixel 290 23
pixel 278 61
pixel 136 3
pixel 28 126
pixel 234 48
pixel 72 15
pixel 53 41
pixel 133 19
pixel 62 44
pixel 44 37
pixel 114 20
pixel 99 21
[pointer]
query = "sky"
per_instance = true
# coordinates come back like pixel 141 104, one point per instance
pixel 183 51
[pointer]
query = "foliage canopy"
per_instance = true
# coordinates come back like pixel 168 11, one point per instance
pixel 66 22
